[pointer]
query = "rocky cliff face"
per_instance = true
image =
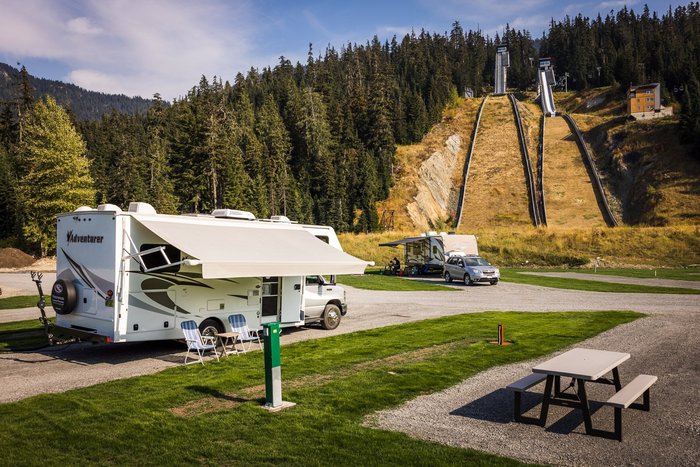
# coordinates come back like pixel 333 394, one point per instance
pixel 437 194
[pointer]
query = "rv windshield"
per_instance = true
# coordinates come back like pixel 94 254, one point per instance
pixel 478 261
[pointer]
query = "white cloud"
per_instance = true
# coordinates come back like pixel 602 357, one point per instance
pixel 82 25
pixel 615 4
pixel 399 31
pixel 132 47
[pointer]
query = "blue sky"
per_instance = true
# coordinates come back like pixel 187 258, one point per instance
pixel 140 47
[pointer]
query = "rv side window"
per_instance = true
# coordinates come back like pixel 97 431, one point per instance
pixel 156 259
pixel 324 238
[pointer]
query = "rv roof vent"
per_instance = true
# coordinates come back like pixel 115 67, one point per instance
pixel 432 233
pixel 284 219
pixel 109 207
pixel 141 208
pixel 233 214
pixel 84 208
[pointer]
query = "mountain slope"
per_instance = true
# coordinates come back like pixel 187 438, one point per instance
pixel 568 191
pixel 496 193
pixel 428 175
pixel 86 105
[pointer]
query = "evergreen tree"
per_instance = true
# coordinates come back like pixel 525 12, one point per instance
pixel 56 177
pixel 276 146
pixel 161 192
pixel 8 197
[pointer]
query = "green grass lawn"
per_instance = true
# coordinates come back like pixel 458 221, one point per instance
pixel 19 335
pixel 211 414
pixel 22 301
pixel 513 275
pixel 375 281
pixel 683 274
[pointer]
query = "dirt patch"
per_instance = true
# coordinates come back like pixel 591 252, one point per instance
pixel 220 402
pixel 47 264
pixel 14 258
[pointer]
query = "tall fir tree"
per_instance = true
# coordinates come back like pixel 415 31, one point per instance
pixel 55 174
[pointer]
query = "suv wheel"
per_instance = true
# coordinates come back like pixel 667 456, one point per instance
pixel 494 282
pixel 468 280
pixel 448 278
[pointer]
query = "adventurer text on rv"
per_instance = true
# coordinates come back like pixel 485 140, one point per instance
pixel 134 276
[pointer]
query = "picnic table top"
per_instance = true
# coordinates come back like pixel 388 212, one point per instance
pixel 587 364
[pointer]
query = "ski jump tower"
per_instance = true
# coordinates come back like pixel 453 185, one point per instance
pixel 502 63
pixel 545 78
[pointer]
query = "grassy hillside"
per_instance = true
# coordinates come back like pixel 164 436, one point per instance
pixel 457 120
pixel 496 192
pixel 650 178
pixel 568 191
pixel 655 178
pixel 634 246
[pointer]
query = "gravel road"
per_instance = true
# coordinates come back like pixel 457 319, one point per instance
pixel 475 413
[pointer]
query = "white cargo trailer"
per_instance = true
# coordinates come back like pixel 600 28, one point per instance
pixel 134 276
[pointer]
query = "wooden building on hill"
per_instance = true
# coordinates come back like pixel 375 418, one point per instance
pixel 644 102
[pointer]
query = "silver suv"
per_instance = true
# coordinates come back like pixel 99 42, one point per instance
pixel 470 269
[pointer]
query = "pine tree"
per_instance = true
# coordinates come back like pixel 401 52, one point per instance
pixel 8 196
pixel 24 101
pixel 277 148
pixel 56 177
pixel 160 188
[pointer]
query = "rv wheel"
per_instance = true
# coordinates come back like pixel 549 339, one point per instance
pixel 331 317
pixel 64 297
pixel 210 327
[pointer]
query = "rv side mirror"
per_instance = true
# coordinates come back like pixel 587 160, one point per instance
pixel 333 278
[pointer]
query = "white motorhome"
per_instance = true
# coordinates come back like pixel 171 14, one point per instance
pixel 426 253
pixel 134 276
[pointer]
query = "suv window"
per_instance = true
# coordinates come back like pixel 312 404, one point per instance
pixel 477 261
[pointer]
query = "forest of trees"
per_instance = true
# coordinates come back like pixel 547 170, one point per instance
pixel 84 104
pixel 316 141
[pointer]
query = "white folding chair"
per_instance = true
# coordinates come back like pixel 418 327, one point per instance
pixel 239 325
pixel 196 342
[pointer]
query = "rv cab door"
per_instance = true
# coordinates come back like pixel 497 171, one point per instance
pixel 291 306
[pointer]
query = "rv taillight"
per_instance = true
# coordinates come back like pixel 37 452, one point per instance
pixel 109 339
pixel 110 293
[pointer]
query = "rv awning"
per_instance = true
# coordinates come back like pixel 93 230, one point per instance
pixel 247 249
pixel 403 241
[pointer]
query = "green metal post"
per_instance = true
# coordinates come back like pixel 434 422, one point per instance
pixel 273 372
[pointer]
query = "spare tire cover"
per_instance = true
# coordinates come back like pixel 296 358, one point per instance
pixel 64 297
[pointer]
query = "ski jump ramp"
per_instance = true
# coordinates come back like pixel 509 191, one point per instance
pixel 545 78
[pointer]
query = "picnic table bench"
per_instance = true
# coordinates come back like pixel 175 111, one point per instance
pixel 582 366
